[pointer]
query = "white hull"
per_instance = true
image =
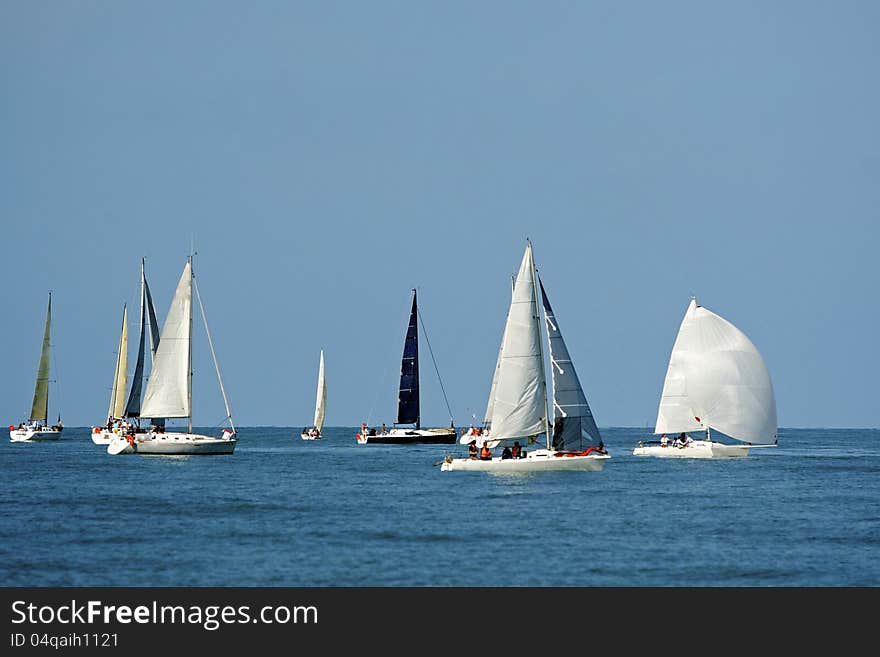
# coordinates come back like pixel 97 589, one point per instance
pixel 103 436
pixel 541 460
pixel 33 435
pixel 169 444
pixel 698 449
pixel 306 436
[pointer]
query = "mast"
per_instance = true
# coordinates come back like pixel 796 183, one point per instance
pixel 540 345
pixel 189 353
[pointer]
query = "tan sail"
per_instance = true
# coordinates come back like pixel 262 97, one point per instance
pixel 120 377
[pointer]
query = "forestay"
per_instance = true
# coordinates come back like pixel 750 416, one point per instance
pixel 716 379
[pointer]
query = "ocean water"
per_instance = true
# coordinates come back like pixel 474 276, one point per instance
pixel 286 512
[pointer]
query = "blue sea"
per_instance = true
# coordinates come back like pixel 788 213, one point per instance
pixel 286 512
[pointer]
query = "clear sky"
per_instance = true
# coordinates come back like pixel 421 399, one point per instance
pixel 326 157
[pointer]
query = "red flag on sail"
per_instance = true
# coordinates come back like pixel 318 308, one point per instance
pixel 698 419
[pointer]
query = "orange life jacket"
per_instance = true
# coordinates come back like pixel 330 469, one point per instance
pixel 485 453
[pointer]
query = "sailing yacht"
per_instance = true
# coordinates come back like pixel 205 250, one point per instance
pixel 518 401
pixel 408 399
pixel 169 389
pixel 716 379
pixel 122 408
pixel 36 427
pixel 320 401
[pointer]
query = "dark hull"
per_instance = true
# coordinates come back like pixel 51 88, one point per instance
pixel 429 438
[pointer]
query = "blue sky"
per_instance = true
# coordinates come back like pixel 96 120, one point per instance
pixel 326 157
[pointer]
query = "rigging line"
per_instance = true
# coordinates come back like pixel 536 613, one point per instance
pixel 214 355
pixel 431 351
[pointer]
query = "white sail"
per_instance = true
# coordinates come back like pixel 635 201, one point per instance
pixel 321 398
pixel 168 390
pixel 716 379
pixel 120 375
pixel 520 405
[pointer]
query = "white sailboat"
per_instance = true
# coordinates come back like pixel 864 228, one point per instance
pixel 716 379
pixel 123 409
pixel 408 401
pixel 36 427
pixel 169 389
pixel 519 394
pixel 320 402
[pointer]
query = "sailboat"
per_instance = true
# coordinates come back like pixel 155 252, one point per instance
pixel 169 389
pixel 408 409
pixel 716 379
pixel 320 402
pixel 122 408
pixel 36 427
pixel 519 394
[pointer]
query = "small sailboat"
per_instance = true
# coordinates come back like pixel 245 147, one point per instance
pixel 518 397
pixel 320 401
pixel 408 402
pixel 121 408
pixel 36 427
pixel 716 379
pixel 169 389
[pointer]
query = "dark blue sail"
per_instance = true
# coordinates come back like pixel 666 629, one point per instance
pixel 408 398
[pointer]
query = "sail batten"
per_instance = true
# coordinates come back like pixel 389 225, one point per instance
pixel 519 402
pixel 321 397
pixel 168 389
pixel 40 404
pixel 716 379
pixel 408 396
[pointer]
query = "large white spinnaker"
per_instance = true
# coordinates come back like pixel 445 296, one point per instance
pixel 321 397
pixel 716 379
pixel 168 393
pixel 520 399
pixel 574 428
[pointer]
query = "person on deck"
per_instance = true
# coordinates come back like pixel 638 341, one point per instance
pixel 485 452
pixel 472 449
pixel 506 453
pixel 664 440
pixel 384 430
pixel 516 452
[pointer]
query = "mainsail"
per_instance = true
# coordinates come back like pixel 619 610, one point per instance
pixel 574 428
pixel 716 379
pixel 133 407
pixel 321 398
pixel 168 391
pixel 408 397
pixel 40 405
pixel 520 399
pixel 120 374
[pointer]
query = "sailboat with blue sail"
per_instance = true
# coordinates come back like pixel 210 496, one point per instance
pixel 123 415
pixel 408 399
